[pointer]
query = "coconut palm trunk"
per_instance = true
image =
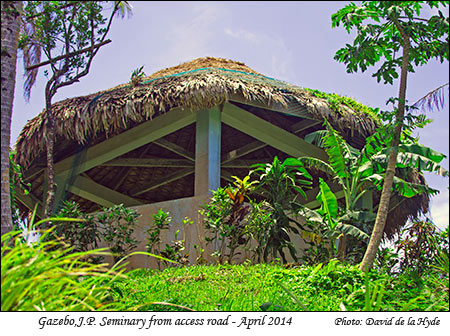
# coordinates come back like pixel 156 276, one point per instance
pixel 10 17
pixel 383 208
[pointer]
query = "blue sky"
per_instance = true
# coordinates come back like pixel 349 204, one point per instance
pixel 291 41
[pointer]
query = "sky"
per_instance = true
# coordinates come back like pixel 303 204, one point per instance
pixel 291 41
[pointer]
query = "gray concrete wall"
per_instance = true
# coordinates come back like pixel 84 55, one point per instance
pixel 192 234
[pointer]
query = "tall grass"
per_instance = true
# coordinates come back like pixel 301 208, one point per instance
pixel 48 276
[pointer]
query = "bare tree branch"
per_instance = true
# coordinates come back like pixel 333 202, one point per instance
pixel 58 58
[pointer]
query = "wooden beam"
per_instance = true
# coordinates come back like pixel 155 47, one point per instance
pixel 227 176
pixel 303 125
pixel 256 145
pixel 245 163
pixel 30 201
pixel 123 172
pixel 129 140
pixel 244 150
pixel 207 151
pixel 272 135
pixel 176 149
pixel 165 180
pixel 148 163
pixel 97 193
pixel 30 173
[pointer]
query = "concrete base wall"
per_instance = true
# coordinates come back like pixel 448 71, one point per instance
pixel 193 234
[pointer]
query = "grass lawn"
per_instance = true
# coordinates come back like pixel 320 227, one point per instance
pixel 270 287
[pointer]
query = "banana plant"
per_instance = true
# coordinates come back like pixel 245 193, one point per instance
pixel 358 172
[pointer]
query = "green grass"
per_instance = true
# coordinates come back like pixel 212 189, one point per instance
pixel 333 287
pixel 46 276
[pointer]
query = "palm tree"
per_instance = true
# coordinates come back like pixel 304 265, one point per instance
pixel 11 11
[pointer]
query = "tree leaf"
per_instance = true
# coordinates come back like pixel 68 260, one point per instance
pixel 328 202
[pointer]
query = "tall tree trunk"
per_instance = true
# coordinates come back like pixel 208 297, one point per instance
pixel 383 208
pixel 50 144
pixel 10 26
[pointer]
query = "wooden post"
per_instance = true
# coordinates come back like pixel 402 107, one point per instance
pixel 207 151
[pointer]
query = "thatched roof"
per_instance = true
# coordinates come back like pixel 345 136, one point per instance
pixel 204 82
pixel 201 83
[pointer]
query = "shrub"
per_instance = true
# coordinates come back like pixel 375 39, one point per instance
pixel 226 216
pixel 81 235
pixel 118 225
pixel 174 251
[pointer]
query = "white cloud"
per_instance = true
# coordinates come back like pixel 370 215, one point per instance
pixel 270 49
pixel 192 37
pixel 440 209
pixel 242 35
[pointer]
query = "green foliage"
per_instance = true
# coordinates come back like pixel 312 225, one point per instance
pixel 118 224
pixel 137 75
pixel 172 253
pixel 52 28
pixel 81 235
pixel 419 245
pixel 226 216
pixel 352 170
pixel 335 102
pixel 357 172
pixel 259 228
pixel 162 221
pixel 268 287
pixel 382 38
pixel 15 181
pixel 280 183
pixel 46 276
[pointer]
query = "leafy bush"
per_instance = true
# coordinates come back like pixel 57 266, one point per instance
pixel 173 251
pixel 418 245
pixel 15 180
pixel 118 223
pixel 226 216
pixel 279 184
pixel 81 235
pixel 115 226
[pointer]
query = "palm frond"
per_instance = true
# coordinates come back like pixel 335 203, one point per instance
pixel 432 100
pixel 31 55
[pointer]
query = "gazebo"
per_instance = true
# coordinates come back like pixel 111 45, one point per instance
pixel 180 133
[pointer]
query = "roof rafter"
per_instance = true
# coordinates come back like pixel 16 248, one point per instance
pixel 270 134
pixel 97 193
pixel 164 180
pixel 175 149
pixel 256 145
pixel 129 140
pixel 148 162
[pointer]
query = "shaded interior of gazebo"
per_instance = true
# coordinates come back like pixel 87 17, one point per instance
pixel 201 155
